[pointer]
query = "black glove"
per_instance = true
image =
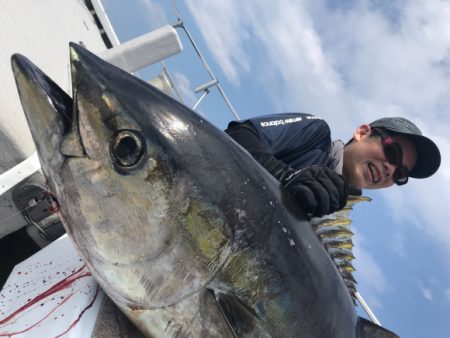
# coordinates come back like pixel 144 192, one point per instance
pixel 319 190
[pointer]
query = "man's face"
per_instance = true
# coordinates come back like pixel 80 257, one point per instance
pixel 365 164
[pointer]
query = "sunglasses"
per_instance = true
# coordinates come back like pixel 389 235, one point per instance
pixel 394 154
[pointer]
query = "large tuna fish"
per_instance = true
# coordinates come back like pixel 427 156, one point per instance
pixel 185 232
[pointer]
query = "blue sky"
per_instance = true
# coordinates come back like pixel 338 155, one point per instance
pixel 349 62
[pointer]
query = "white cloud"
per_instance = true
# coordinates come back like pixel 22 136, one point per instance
pixel 287 47
pixel 185 88
pixel 225 33
pixel 424 205
pixel 154 13
pixel 426 292
pixel 369 275
pixel 447 294
pixel 398 244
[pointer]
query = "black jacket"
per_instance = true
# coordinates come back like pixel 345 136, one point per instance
pixel 279 141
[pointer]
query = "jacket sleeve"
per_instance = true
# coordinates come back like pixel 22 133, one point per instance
pixel 246 135
pixel 281 141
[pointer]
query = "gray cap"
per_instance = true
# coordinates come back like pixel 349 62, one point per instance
pixel 428 155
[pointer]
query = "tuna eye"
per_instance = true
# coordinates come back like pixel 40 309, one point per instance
pixel 127 148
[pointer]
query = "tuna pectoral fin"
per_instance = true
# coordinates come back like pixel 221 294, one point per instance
pixel 368 329
pixel 242 320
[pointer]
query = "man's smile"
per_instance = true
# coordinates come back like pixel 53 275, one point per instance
pixel 374 173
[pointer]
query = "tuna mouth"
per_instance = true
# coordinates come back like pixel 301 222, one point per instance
pixel 374 173
pixel 53 117
pixel 48 109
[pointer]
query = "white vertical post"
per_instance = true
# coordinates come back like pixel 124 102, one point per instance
pixel 367 309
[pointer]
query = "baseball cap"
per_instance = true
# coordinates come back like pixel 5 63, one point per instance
pixel 428 155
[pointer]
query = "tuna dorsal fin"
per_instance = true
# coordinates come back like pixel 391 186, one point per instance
pixel 367 329
pixel 241 318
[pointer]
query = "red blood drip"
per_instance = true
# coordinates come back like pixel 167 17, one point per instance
pixel 81 314
pixel 63 284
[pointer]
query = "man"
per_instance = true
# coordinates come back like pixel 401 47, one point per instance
pixel 297 150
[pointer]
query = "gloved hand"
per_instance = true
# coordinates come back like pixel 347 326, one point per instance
pixel 319 190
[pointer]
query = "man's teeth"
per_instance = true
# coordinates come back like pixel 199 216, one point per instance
pixel 374 173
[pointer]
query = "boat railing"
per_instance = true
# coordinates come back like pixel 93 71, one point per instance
pixel 205 88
